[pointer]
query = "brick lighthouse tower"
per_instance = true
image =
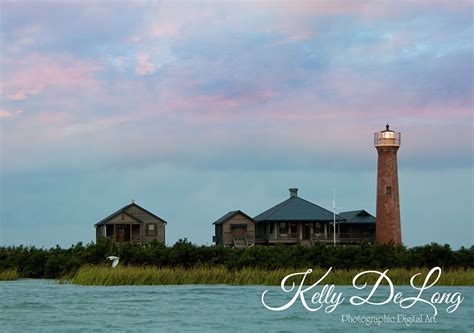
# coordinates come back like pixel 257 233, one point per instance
pixel 388 230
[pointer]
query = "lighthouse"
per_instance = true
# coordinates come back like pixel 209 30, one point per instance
pixel 388 229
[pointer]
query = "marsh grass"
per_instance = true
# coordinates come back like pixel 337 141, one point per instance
pixel 9 275
pixel 150 275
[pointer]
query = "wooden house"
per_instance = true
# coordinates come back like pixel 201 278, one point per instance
pixel 133 224
pixel 358 226
pixel 235 229
pixel 295 221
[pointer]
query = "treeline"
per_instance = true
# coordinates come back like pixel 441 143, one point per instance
pixel 56 262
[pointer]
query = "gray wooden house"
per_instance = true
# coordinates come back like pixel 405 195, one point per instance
pixel 235 229
pixel 295 221
pixel 133 224
pixel 358 225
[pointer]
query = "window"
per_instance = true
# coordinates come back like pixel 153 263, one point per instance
pixel 109 230
pixel 151 230
pixel 293 228
pixel 317 227
pixel 283 228
pixel 388 191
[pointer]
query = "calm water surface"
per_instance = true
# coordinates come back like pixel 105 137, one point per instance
pixel 45 306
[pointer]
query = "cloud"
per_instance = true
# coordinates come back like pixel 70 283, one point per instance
pixel 261 82
pixel 10 114
pixel 17 96
pixel 33 74
pixel 144 66
pixel 251 98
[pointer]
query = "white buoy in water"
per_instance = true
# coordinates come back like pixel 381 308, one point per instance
pixel 115 260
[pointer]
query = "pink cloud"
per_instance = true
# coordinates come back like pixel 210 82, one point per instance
pixel 144 66
pixel 169 20
pixel 362 9
pixel 17 96
pixel 33 74
pixel 295 19
pixel 10 114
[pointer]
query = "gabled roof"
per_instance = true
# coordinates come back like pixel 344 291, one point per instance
pixel 296 209
pixel 358 216
pixel 123 210
pixel 230 215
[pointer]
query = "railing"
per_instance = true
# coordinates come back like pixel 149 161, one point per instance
pixel 135 238
pixel 358 237
pixel 345 237
pixel 294 235
pixel 324 238
pixel 387 138
pixel 321 237
pixel 261 237
pixel 318 236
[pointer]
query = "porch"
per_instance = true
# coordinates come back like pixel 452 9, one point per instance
pixel 310 233
pixel 290 232
pixel 121 233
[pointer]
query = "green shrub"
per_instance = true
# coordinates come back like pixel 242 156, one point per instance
pixel 32 262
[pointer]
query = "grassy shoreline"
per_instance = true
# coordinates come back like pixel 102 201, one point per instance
pixel 150 275
pixel 57 262
pixel 9 275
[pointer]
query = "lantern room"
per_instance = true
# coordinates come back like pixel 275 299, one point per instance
pixel 387 137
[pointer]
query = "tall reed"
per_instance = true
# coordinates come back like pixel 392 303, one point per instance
pixel 9 274
pixel 150 275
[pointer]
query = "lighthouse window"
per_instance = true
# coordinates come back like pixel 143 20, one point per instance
pixel 388 191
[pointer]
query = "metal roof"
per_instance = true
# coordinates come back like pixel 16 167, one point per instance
pixel 231 214
pixel 296 209
pixel 124 210
pixel 358 216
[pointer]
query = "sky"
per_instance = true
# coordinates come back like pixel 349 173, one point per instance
pixel 194 109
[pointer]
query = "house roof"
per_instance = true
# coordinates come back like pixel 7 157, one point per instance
pixel 123 210
pixel 230 215
pixel 296 209
pixel 358 216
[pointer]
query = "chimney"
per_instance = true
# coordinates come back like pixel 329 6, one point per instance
pixel 293 192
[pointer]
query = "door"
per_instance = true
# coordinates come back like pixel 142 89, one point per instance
pixel 239 232
pixel 120 234
pixel 306 231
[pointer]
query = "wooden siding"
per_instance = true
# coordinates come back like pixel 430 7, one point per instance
pixel 227 236
pixel 122 219
pixel 218 234
pixel 98 232
pixel 147 219
pixel 138 233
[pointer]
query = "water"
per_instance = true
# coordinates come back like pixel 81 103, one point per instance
pixel 45 306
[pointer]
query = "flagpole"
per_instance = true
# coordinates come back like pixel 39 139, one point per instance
pixel 334 214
